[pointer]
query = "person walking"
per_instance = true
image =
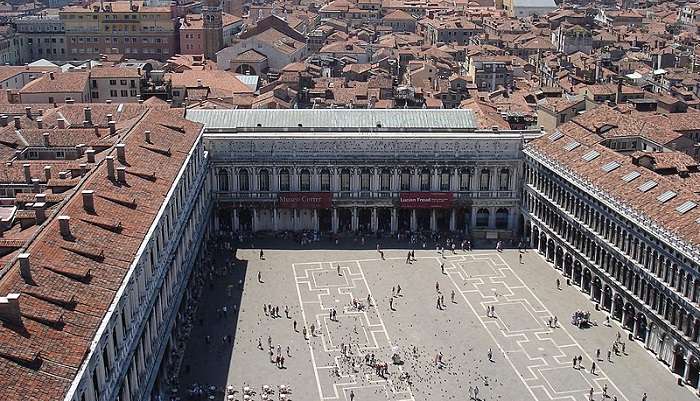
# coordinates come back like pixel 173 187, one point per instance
pixel 490 355
pixel 452 296
pixel 520 258
pixel 352 395
pixel 597 354
pixel 391 303
pixel 558 284
pixel 437 287
pixel 262 255
pixel 398 290
pixel 593 368
pixel 260 277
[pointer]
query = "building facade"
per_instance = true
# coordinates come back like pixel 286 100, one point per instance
pixel 631 264
pixel 120 27
pixel 41 37
pixel 417 171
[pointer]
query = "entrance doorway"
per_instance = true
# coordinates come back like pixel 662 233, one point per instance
pixel 344 220
pixel 384 219
pixel 245 219
pixel 404 219
pixel 442 217
pixel 364 216
pixel 325 220
pixel 423 218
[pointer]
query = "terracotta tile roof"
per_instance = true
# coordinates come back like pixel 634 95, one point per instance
pixel 62 82
pixel 114 72
pixel 625 194
pixel 74 281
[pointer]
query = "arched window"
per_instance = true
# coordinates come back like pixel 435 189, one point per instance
pixel 504 180
pixel 284 180
pixel 445 180
pixel 485 180
pixel 325 180
pixel 465 179
pixel 243 180
pixel 223 180
pixel 385 180
pixel 425 180
pixel 405 179
pixel 502 218
pixel 264 180
pixel 345 180
pixel 482 218
pixel 365 180
pixel 305 180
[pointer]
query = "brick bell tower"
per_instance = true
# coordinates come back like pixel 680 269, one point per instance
pixel 213 28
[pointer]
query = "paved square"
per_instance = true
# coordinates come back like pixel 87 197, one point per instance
pixel 531 361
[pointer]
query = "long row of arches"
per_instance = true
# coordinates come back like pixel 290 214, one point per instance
pixel 642 287
pixel 427 179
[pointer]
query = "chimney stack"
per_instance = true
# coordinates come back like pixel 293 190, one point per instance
pixel 148 136
pixel 47 143
pixel 61 122
pixel 51 75
pixel 40 212
pixel 28 111
pixel 3 120
pixel 64 225
pixel 80 148
pixel 121 153
pixel 36 188
pixel 24 270
pixel 109 117
pixel 110 167
pixel 62 175
pixel 89 200
pixel 108 101
pixel 88 115
pixel 112 127
pixel 18 122
pixel 70 101
pixel 121 174
pixel 47 172
pixel 40 123
pixel 90 153
pixel 83 169
pixel 27 173
pixel 9 309
pixel 618 94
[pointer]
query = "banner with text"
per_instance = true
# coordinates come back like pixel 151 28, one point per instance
pixel 304 200
pixel 425 200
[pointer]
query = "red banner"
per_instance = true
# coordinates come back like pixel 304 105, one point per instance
pixel 425 200
pixel 304 200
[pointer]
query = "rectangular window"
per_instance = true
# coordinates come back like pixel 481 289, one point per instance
pixel 405 180
pixel 112 81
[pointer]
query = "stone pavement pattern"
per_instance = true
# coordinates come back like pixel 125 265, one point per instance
pixel 531 361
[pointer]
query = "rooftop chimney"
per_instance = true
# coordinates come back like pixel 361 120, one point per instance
pixel 40 212
pixel 121 174
pixel 35 185
pixel 108 101
pixel 618 94
pixel 148 136
pixel 88 115
pixel 27 172
pixel 112 127
pixel 70 101
pixel 62 175
pixel 18 122
pixel 47 172
pixel 90 153
pixel 24 266
pixel 88 200
pixel 40 198
pixel 109 117
pixel 199 83
pixel 80 148
pixel 64 225
pixel 110 167
pixel 28 111
pixel 47 143
pixel 40 123
pixel 51 75
pixel 83 169
pixel 9 309
pixel 3 120
pixel 121 153
pixel 61 122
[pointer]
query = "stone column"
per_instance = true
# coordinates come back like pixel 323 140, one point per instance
pixel 492 217
pixel 253 180
pixel 454 181
pixel 394 220
pixel 472 219
pixel 433 220
pixel 375 220
pixel 316 225
pixel 435 182
pixel 414 220
pixel 236 221
pixel 294 178
pixel 275 219
pixel 453 219
pixel 275 184
pixel 415 180
pixel 334 221
pixel 395 179
pixel 255 220
pixel 355 220
pixel 295 219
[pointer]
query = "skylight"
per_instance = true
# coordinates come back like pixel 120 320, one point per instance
pixel 666 196
pixel 591 155
pixel 610 166
pixel 647 186
pixel 686 207
pixel 556 135
pixel 571 146
pixel 631 176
